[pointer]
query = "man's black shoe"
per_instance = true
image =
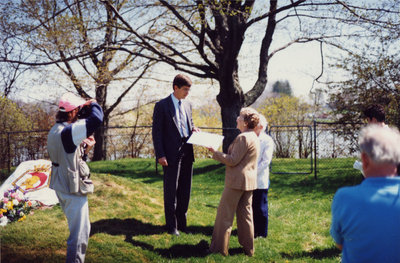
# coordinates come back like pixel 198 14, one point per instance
pixel 184 230
pixel 174 232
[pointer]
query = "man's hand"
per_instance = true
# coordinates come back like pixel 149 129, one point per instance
pixel 163 161
pixel 195 129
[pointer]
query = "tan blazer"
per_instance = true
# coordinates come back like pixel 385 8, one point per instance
pixel 241 161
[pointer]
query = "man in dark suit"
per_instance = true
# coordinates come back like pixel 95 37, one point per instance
pixel 172 126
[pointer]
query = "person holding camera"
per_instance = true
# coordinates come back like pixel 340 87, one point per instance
pixel 67 142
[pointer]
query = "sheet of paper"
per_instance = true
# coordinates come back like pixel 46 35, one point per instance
pixel 206 139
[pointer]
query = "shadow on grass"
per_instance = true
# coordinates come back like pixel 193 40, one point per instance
pixel 127 227
pixel 206 169
pixel 314 254
pixel 176 251
pixel 183 250
pixel 132 227
pixel 147 170
pixel 332 173
pixel 328 184
pixel 135 170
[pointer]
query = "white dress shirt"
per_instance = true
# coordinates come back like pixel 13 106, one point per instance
pixel 176 105
pixel 264 159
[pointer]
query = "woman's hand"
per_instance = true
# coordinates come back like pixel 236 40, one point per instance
pixel 211 149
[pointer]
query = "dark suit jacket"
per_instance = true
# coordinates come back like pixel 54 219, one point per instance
pixel 166 137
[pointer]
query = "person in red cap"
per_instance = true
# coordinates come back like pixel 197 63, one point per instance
pixel 65 142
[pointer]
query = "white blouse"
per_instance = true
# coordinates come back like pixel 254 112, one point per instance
pixel 264 159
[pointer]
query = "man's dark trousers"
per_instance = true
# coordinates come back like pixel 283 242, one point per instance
pixel 177 187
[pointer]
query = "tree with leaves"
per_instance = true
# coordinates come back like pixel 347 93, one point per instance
pixel 12 119
pixel 290 117
pixel 373 80
pixel 207 38
pixel 134 138
pixel 74 39
pixel 282 87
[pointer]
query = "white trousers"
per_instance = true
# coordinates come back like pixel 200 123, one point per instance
pixel 76 209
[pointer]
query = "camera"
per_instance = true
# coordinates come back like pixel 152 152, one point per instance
pixel 84 112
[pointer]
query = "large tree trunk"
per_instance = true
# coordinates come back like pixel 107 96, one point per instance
pixel 229 114
pixel 231 102
pixel 100 148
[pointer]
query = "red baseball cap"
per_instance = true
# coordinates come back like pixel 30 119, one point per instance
pixel 69 101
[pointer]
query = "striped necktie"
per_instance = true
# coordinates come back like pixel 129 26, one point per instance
pixel 182 120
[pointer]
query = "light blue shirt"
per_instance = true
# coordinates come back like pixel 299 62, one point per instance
pixel 176 105
pixel 366 220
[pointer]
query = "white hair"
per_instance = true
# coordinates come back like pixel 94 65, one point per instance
pixel 381 144
pixel 263 123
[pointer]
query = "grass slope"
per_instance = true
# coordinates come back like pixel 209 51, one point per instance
pixel 127 218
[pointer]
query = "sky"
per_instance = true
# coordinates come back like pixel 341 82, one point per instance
pixel 299 64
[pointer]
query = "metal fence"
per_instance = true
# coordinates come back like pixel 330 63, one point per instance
pixel 299 147
pixel 294 148
pixel 20 146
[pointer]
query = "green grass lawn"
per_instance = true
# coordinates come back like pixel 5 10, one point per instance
pixel 127 217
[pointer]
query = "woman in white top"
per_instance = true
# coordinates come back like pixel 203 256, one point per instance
pixel 260 195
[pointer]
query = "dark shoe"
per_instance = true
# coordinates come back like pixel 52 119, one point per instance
pixel 182 228
pixel 260 235
pixel 204 247
pixel 208 252
pixel 174 232
pixel 185 231
pixel 249 253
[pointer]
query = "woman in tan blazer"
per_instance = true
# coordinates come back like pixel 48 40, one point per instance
pixel 240 181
